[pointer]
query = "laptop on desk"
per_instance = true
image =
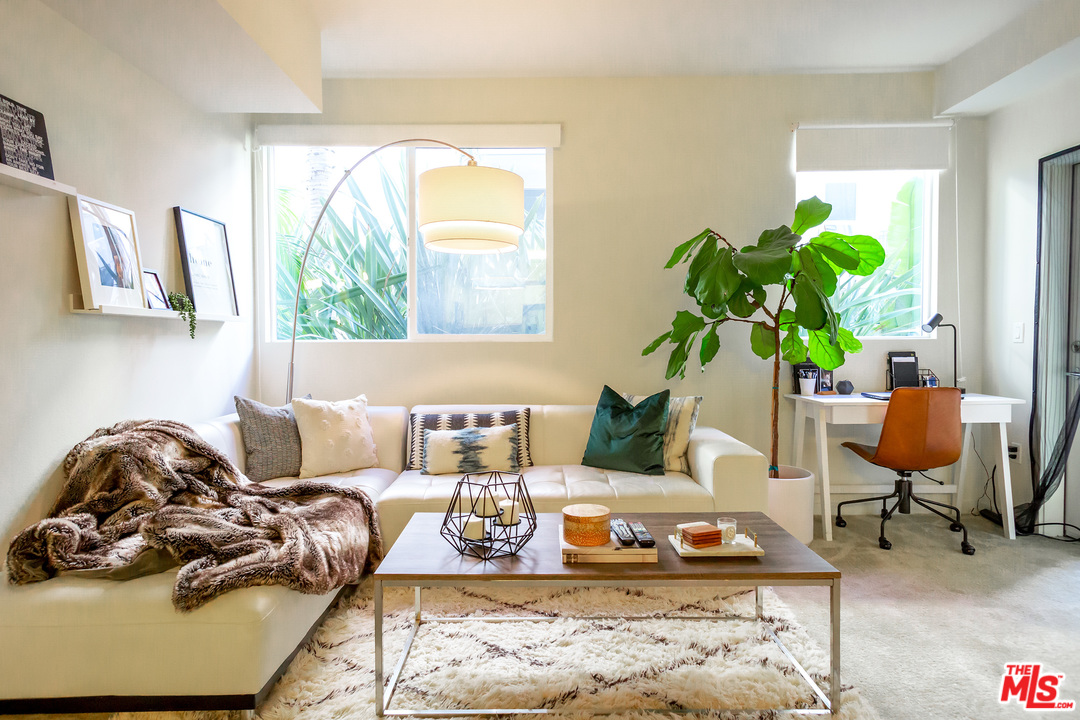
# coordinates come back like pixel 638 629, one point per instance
pixel 886 394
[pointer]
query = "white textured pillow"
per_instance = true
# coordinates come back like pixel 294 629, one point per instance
pixel 682 415
pixel 471 450
pixel 334 436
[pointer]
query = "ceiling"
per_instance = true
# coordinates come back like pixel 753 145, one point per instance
pixel 617 38
pixel 268 56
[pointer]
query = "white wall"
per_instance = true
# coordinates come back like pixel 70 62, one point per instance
pixel 1017 137
pixel 644 164
pixel 117 136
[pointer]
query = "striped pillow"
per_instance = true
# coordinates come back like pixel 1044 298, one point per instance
pixel 682 415
pixel 419 422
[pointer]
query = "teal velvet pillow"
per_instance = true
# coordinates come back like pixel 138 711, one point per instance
pixel 628 437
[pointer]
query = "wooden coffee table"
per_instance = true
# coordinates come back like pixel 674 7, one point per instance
pixel 422 558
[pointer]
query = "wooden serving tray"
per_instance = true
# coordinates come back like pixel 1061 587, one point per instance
pixel 742 547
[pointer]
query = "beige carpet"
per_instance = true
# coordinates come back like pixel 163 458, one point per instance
pixel 926 631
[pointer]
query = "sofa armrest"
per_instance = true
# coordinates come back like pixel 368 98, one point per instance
pixel 736 474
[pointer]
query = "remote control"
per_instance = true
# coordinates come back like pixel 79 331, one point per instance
pixel 644 539
pixel 622 531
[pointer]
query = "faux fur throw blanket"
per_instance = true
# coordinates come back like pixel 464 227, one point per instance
pixel 145 495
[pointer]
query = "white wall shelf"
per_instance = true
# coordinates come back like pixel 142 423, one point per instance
pixel 31 183
pixel 75 303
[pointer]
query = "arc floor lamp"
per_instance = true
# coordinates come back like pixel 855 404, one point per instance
pixel 468 209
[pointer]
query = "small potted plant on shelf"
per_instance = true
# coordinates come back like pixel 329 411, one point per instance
pixel 182 304
pixel 780 287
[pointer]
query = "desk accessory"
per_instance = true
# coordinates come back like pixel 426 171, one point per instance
pixel 903 370
pixel 490 515
pixel 844 387
pixel 935 322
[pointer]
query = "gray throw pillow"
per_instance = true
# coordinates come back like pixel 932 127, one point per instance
pixel 271 439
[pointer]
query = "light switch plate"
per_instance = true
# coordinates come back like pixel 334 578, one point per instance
pixel 1018 332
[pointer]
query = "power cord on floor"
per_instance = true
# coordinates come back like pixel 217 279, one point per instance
pixel 993 513
pixel 1059 538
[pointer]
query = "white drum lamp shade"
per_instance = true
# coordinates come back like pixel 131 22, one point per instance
pixel 471 209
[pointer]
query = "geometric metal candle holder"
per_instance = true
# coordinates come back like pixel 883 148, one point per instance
pixel 490 515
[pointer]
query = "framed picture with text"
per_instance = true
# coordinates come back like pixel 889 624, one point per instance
pixel 204 255
pixel 107 253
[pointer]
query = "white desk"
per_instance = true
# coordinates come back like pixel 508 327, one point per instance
pixel 827 410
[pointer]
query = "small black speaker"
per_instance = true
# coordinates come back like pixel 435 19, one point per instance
pixel 844 387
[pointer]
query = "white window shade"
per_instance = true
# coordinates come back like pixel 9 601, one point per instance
pixel 895 147
pixel 466 136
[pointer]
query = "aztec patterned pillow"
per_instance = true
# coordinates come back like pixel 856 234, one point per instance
pixel 472 449
pixel 682 415
pixel 419 422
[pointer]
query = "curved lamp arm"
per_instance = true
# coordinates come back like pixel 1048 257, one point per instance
pixel 315 227
pixel 935 322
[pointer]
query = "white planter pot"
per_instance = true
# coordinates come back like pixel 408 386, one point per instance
pixel 791 502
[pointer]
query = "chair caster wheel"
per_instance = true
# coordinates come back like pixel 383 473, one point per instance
pixel 956 527
pixel 886 545
pixel 967 548
pixel 840 522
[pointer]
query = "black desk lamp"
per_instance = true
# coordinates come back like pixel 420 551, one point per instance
pixel 935 322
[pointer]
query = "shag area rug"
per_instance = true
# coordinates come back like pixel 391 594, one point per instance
pixel 577 666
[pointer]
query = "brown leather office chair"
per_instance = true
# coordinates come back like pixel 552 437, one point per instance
pixel 921 431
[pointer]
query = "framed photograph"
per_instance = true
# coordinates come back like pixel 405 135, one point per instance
pixel 825 381
pixel 107 252
pixel 204 255
pixel 156 297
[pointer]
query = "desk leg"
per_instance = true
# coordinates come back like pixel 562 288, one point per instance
pixel 798 432
pixel 967 442
pixel 1008 516
pixel 822 434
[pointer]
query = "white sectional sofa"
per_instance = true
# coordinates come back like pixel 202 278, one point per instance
pixel 99 645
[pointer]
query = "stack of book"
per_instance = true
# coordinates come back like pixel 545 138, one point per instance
pixel 701 535
pixel 612 552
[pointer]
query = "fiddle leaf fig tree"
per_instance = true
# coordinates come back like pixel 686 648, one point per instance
pixel 780 286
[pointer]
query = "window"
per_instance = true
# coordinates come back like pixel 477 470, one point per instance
pixel 897 208
pixel 367 277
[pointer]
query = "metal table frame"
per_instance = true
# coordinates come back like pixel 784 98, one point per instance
pixel 831 701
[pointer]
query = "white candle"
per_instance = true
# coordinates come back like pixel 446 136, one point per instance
pixel 509 512
pixel 474 528
pixel 486 505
